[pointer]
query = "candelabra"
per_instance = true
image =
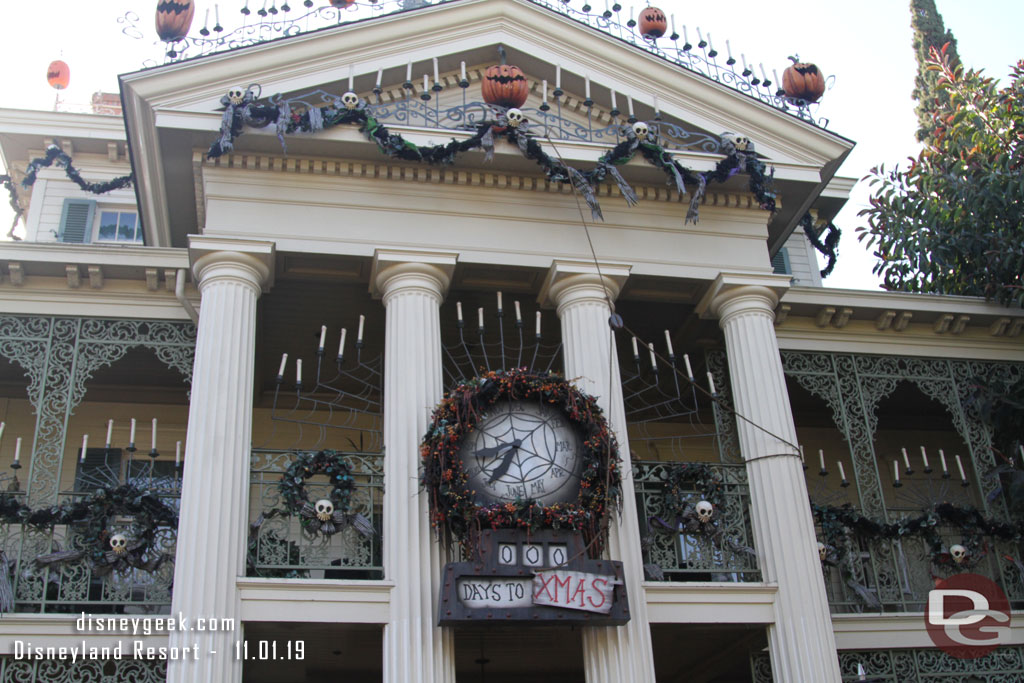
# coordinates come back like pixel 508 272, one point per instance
pixel 113 475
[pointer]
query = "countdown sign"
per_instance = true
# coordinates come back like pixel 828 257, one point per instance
pixel 545 576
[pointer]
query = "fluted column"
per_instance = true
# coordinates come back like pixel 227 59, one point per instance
pixel 801 641
pixel 611 654
pixel 412 286
pixel 215 488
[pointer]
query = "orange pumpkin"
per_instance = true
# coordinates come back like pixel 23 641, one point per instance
pixel 505 85
pixel 342 4
pixel 803 81
pixel 652 23
pixel 58 74
pixel 173 19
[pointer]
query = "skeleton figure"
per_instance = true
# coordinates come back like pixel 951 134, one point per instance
pixel 958 553
pixel 235 96
pixel 350 100
pixel 745 145
pixel 704 511
pixel 641 130
pixel 515 117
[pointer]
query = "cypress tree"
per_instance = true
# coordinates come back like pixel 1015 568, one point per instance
pixel 929 31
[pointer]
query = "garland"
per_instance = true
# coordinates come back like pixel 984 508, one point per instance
pixel 246 112
pixel 446 481
pixel 320 519
pixel 829 248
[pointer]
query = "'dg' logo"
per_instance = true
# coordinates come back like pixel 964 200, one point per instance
pixel 967 616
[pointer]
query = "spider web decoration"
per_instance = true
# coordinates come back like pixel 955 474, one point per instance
pixel 498 345
pixel 345 394
pixel 661 405
pixel 925 490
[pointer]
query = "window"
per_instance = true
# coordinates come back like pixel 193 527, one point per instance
pixel 119 226
pixel 76 221
pixel 780 263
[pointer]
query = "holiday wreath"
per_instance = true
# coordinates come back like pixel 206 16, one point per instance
pixel 445 479
pixel 328 515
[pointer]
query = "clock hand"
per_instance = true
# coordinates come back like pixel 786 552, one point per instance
pixel 499 471
pixel 496 450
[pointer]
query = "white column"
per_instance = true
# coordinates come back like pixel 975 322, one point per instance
pixel 801 642
pixel 611 654
pixel 412 286
pixel 215 490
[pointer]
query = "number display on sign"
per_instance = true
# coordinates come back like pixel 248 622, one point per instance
pixel 507 553
pixel 533 555
pixel 557 555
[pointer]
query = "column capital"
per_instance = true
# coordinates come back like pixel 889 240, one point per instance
pixel 748 291
pixel 571 282
pixel 429 271
pixel 213 257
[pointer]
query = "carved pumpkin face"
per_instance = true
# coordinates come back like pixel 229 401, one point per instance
pixel 652 23
pixel 173 19
pixel 58 74
pixel 505 86
pixel 803 82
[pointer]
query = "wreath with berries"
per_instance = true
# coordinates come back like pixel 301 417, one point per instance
pixel 452 502
pixel 685 486
pixel 317 518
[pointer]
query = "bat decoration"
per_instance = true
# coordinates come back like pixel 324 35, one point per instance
pixel 325 519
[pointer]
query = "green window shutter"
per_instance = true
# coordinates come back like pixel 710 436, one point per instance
pixel 780 264
pixel 76 221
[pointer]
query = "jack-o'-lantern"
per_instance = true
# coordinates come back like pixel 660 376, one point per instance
pixel 652 23
pixel 803 81
pixel 58 74
pixel 342 4
pixel 505 85
pixel 173 19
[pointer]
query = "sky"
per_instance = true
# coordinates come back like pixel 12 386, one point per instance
pixel 866 45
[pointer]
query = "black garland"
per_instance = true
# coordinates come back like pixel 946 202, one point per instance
pixel 452 503
pixel 293 490
pixel 246 111
pixel 829 248
pixel 55 155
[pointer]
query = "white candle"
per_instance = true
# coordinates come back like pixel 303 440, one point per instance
pixel 629 103
pixel 153 440
pixel 821 458
pixel 960 466
pixel 85 446
pixel 545 91
pixel 426 83
pixel 380 76
pixel 480 317
pixel 17 449
pixel 689 370
pixel 636 353
pixel 906 458
pixel 341 346
pixel 110 431
pixel 538 323
pixel 896 469
pixel 437 79
pixel 519 315
pixel 323 336
pixel 464 71
pixel 362 321
pixel 284 361
pixel 728 49
pixel 458 310
pixel 673 18
pixel 2 425
pixel 924 456
pixel 802 458
pixel 614 104
pixel 351 77
pixel 686 38
pixel 711 384
pixel 656 110
pixel 131 438
pixel 500 307
pixel 842 472
pixel 654 360
pixel 586 86
pixel 668 342
pixel 942 457
pixel 408 73
pixel 558 76
pixel 298 371
pixel 177 454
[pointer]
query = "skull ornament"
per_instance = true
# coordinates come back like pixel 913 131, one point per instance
pixel 822 551
pixel 958 553
pixel 324 510
pixel 704 511
pixel 350 100
pixel 236 95
pixel 119 544
pixel 744 144
pixel 515 117
pixel 641 130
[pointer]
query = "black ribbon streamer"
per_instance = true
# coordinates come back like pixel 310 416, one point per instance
pixel 829 248
pixel 55 155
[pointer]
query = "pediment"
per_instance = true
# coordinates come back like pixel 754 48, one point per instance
pixel 178 106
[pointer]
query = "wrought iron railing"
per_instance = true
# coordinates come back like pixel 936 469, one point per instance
pixel 882 575
pixel 82 670
pixel 76 585
pixel 930 665
pixel 278 546
pixel 722 551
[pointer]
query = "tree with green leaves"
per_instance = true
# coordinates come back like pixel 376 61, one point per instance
pixel 953 221
pixel 929 33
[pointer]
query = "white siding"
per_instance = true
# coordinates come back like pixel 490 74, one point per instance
pixel 43 217
pixel 803 261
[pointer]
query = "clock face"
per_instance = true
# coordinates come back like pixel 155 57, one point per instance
pixel 523 450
